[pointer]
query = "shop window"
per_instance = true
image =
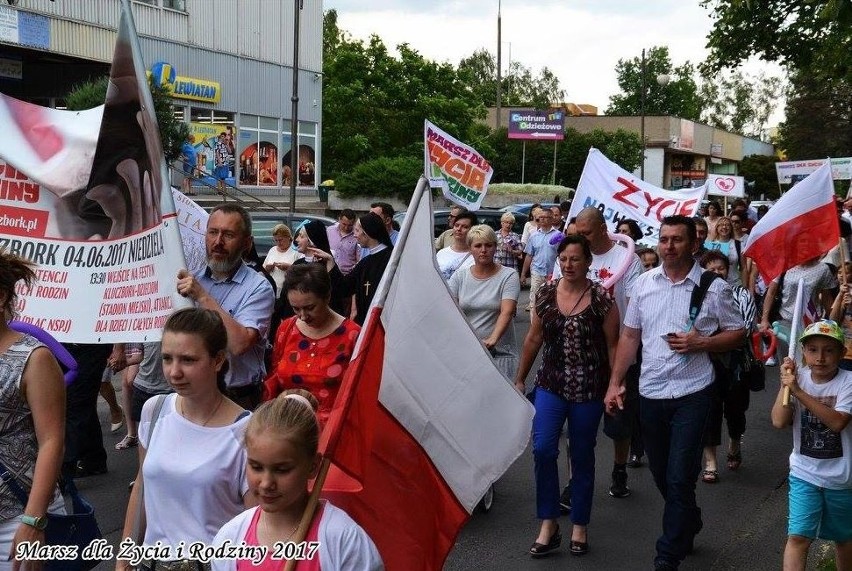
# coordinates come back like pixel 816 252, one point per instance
pixel 258 158
pixel 215 140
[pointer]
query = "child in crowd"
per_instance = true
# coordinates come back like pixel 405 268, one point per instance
pixel 281 441
pixel 821 462
pixel 841 312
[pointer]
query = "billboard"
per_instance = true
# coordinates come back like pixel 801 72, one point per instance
pixel 794 171
pixel 536 125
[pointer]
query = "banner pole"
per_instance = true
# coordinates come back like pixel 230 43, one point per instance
pixel 842 248
pixel 313 501
pixel 523 160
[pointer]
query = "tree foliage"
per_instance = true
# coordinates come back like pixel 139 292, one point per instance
pixel 737 102
pixel 679 97
pixel 382 177
pixel 760 170
pixel 622 147
pixel 173 132
pixel 519 87
pixel 374 103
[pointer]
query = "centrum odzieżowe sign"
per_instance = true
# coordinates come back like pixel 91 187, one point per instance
pixel 458 169
pixel 536 125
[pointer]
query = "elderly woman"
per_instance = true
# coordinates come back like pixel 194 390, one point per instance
pixel 282 256
pixel 487 293
pixel 32 402
pixel 509 251
pixel 457 255
pixel 577 321
pixel 313 348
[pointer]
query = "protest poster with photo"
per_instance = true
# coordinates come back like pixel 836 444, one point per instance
pixel 456 168
pixel 620 195
pixel 85 197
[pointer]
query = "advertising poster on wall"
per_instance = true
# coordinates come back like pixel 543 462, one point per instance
pixel 307 162
pixel 258 159
pixel 214 147
pixel 104 235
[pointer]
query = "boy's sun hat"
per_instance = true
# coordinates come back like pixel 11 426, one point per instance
pixel 824 328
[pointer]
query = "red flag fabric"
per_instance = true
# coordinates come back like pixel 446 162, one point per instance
pixel 801 226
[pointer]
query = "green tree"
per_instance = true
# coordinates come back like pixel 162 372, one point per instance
pixel 678 97
pixel 173 132
pixel 819 115
pixel 738 102
pixel 520 87
pixel 383 177
pixel 760 176
pixel 374 103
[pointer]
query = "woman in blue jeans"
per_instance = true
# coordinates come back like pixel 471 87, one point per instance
pixel 577 322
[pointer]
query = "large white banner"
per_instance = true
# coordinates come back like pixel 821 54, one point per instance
pixel 726 185
pixel 619 195
pixel 458 169
pixel 793 171
pixel 85 196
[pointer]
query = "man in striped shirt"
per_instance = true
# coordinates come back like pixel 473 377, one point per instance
pixel 676 380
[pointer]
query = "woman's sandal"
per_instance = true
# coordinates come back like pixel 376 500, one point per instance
pixel 579 547
pixel 734 460
pixel 540 549
pixel 127 442
pixel 710 476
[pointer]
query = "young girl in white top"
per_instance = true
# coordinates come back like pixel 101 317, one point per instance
pixel 192 465
pixel 281 440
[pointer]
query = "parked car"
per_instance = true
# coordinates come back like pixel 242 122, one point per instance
pixel 525 207
pixel 485 216
pixel 262 224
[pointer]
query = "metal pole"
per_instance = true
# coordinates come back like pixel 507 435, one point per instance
pixel 499 64
pixel 523 160
pixel 553 176
pixel 294 114
pixel 642 119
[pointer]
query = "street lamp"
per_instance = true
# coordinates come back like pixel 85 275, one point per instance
pixel 499 62
pixel 662 80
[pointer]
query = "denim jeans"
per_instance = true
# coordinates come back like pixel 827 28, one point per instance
pixel 551 411
pixel 672 430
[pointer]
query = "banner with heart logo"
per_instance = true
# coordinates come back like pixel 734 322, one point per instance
pixel 726 185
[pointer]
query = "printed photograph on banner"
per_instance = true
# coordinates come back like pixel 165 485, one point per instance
pixel 620 195
pixel 456 168
pixel 104 236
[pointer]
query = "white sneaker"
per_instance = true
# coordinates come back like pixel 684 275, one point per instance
pixel 772 362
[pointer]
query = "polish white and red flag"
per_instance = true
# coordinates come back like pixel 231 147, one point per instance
pixel 801 226
pixel 424 422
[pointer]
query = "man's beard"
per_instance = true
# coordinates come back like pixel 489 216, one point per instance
pixel 223 266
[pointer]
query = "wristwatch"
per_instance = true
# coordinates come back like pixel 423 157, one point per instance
pixel 38 522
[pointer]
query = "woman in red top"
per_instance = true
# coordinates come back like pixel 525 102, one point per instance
pixel 312 349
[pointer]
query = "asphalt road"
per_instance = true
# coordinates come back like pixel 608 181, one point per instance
pixel 744 514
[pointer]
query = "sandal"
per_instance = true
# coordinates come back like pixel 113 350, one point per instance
pixel 710 476
pixel 127 442
pixel 734 460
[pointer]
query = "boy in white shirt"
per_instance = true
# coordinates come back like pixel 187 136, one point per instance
pixel 821 462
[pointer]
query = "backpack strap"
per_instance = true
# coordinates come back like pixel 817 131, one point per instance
pixel 738 247
pixel 696 300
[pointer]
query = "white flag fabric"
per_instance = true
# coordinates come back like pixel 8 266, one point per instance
pixel 619 195
pixel 458 169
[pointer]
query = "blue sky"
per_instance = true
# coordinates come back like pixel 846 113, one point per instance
pixel 579 40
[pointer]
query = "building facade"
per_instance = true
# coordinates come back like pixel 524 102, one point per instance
pixel 227 63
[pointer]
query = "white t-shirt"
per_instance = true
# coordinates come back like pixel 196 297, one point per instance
pixel 344 545
pixel 821 456
pixel 529 228
pixel 607 264
pixel 277 256
pixel 450 261
pixel 194 476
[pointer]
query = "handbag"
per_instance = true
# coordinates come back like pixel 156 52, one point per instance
pixel 79 528
pixel 750 370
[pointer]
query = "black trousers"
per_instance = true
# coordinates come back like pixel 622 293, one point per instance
pixel 83 438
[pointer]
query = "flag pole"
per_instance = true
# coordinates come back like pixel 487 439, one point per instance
pixel 842 248
pixel 794 326
pixel 313 501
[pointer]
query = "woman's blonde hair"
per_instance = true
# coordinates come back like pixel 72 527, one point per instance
pixel 290 417
pixel 481 233
pixel 282 230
